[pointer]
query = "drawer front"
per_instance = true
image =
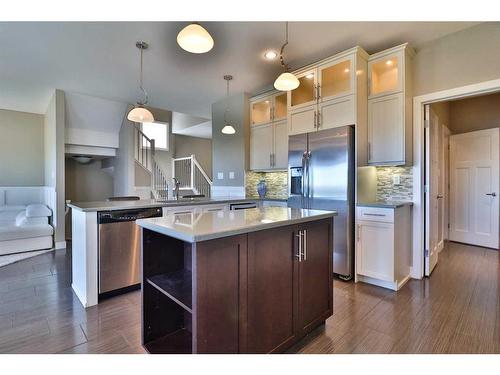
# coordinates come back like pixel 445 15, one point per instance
pixel 385 215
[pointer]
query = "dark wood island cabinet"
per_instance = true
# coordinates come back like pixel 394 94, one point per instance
pixel 252 281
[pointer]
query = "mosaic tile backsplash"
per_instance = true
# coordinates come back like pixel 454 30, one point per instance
pixel 386 190
pixel 277 184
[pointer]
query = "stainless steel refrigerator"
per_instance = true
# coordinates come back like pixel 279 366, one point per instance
pixel 321 176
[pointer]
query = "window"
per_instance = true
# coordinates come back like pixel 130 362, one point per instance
pixel 157 131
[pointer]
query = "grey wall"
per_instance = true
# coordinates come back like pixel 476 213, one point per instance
pixel 200 147
pixel 230 152
pixel 21 149
pixel 479 113
pixel 459 59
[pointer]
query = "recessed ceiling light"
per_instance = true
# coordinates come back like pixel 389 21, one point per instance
pixel 310 76
pixel 389 62
pixel 270 55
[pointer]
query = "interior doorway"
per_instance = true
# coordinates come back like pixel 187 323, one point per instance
pixel 461 174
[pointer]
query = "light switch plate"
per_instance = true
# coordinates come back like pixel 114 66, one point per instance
pixel 396 179
pixel 231 175
pixel 220 175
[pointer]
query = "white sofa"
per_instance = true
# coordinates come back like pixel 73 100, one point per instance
pixel 25 220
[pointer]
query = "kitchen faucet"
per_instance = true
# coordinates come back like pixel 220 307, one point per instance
pixel 177 185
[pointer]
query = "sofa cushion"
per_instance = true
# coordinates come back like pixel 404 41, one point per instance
pixel 13 232
pixel 8 217
pixel 38 210
pixel 21 219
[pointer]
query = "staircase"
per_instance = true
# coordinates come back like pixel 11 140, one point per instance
pixel 191 176
pixel 144 154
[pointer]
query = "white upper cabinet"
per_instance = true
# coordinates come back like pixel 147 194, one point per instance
pixel 332 93
pixel 306 94
pixel 261 147
pixel 390 107
pixel 336 79
pixel 269 132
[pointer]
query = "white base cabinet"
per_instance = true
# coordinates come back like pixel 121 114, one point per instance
pixel 383 245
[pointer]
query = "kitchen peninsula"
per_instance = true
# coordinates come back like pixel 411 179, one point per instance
pixel 249 281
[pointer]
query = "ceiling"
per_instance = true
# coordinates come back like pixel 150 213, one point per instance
pixel 100 58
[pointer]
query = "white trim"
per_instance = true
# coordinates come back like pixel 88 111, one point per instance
pixel 60 245
pixel 417 269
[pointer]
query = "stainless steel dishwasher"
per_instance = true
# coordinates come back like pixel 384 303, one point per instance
pixel 120 249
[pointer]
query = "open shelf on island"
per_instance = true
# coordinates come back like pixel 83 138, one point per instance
pixel 176 285
pixel 178 342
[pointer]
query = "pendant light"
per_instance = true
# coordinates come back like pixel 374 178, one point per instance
pixel 228 128
pixel 195 39
pixel 139 113
pixel 286 81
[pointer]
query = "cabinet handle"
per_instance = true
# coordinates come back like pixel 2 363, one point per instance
pixel 492 194
pixel 274 160
pixel 379 215
pixel 315 89
pixel 272 114
pixel 315 119
pixel 369 151
pixel 299 255
pixel 305 243
pixel 270 160
pixel 319 119
pixel 318 88
pixel 359 233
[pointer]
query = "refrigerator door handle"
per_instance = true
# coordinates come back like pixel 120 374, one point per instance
pixel 303 176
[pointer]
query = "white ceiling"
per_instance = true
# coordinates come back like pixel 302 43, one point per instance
pixel 100 59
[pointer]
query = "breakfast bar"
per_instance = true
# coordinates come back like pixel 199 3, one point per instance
pixel 249 281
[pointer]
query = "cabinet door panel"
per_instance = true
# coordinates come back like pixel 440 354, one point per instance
pixel 315 274
pixel 280 107
pixel 281 145
pixel 385 75
pixel 386 130
pixel 261 146
pixel 336 113
pixel 305 94
pixel 271 290
pixel 375 250
pixel 336 79
pixel 260 111
pixel 302 120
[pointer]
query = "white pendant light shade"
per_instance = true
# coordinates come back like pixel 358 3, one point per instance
pixel 228 129
pixel 195 39
pixel 286 82
pixel 140 114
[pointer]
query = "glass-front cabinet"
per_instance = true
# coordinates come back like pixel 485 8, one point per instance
pixel 385 75
pixel 336 79
pixel 269 108
pixel 306 93
pixel 261 111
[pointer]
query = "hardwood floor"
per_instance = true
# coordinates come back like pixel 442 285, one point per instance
pixel 457 310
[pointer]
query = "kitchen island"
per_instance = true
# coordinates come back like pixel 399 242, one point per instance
pixel 250 281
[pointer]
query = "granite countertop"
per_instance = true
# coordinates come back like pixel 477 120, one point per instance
pixel 210 225
pixel 385 204
pixel 149 203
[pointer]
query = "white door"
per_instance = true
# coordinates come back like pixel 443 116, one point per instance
pixel 261 146
pixel 432 196
pixel 474 188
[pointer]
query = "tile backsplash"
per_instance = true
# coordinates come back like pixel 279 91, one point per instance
pixel 386 190
pixel 277 184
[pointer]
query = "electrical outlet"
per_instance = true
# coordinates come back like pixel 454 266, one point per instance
pixel 231 175
pixel 220 175
pixel 396 179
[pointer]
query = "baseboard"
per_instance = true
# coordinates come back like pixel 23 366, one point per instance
pixel 60 245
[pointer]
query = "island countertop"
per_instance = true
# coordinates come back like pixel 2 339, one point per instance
pixel 190 227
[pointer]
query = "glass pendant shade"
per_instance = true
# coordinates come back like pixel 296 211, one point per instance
pixel 228 129
pixel 195 39
pixel 140 114
pixel 286 82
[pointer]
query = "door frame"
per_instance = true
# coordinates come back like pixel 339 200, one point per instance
pixel 418 248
